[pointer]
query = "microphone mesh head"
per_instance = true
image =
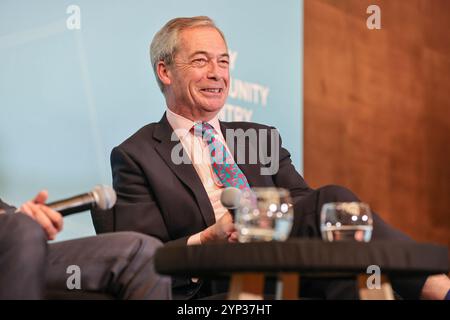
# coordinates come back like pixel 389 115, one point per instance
pixel 105 196
pixel 231 197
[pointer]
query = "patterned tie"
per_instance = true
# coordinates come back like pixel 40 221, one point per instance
pixel 228 172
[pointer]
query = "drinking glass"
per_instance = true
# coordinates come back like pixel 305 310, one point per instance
pixel 264 214
pixel 344 221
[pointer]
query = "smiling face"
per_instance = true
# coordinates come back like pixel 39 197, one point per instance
pixel 196 83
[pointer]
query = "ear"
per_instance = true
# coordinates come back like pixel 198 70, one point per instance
pixel 164 73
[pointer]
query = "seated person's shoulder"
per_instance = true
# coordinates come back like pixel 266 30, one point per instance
pixel 138 139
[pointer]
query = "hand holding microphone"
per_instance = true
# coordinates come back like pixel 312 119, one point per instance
pixel 230 199
pixel 102 197
pixel 50 220
pixel 49 216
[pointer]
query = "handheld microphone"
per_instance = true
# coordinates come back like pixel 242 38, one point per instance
pixel 102 197
pixel 230 199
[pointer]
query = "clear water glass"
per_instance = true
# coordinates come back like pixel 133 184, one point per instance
pixel 264 214
pixel 346 221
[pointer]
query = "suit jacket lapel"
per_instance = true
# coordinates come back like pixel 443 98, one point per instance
pixel 184 171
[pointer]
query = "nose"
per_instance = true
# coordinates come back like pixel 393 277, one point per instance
pixel 213 70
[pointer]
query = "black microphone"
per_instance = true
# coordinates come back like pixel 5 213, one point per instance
pixel 102 197
pixel 230 199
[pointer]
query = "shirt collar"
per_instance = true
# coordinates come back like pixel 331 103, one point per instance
pixel 182 125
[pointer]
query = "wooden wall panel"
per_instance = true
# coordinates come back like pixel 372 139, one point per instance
pixel 377 108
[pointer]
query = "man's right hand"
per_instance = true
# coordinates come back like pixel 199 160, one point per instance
pixel 222 230
pixel 49 219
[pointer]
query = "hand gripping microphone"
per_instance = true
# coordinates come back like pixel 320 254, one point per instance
pixel 101 197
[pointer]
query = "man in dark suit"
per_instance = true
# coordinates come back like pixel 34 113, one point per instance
pixel 167 175
pixel 118 265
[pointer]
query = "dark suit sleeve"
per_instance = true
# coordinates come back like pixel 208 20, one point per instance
pixel 136 208
pixel 287 177
pixel 5 208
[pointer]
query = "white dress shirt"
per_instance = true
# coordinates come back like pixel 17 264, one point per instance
pixel 198 152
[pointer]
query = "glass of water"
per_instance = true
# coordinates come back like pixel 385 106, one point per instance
pixel 264 214
pixel 343 221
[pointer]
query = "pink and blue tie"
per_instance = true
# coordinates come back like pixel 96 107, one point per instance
pixel 228 172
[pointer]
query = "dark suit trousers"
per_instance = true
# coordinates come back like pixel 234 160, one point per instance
pixel 117 266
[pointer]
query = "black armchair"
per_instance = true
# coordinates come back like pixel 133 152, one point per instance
pixel 103 220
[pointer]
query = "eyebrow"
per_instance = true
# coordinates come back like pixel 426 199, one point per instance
pixel 206 54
